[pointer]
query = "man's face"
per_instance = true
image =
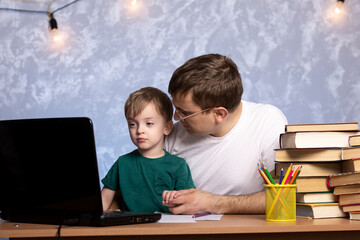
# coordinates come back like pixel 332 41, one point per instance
pixel 192 117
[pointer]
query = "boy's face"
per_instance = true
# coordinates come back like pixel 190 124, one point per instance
pixel 147 131
pixel 201 123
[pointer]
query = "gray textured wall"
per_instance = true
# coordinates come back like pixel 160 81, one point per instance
pixel 293 54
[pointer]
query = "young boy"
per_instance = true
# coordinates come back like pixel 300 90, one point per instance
pixel 149 172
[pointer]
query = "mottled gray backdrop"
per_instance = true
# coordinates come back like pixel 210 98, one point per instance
pixel 293 54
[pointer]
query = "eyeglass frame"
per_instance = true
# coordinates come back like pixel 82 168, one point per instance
pixel 178 112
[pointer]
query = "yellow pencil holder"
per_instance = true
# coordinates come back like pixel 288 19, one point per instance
pixel 280 201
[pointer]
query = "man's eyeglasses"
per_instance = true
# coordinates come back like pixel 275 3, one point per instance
pixel 183 116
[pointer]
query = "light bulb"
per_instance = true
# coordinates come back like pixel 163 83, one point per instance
pixel 55 35
pixel 339 6
pixel 54 31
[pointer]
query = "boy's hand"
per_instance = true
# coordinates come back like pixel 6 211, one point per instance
pixel 113 210
pixel 168 197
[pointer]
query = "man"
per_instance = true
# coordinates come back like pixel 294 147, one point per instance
pixel 221 137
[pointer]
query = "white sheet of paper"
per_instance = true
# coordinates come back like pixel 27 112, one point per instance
pixel 171 218
pixel 210 217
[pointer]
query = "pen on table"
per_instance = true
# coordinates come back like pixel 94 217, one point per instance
pixel 201 215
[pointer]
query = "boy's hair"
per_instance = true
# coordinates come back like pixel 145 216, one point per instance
pixel 214 80
pixel 138 100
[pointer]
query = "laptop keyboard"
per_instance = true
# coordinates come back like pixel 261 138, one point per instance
pixel 116 214
pixel 131 216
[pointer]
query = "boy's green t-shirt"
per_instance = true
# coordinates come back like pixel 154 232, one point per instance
pixel 142 180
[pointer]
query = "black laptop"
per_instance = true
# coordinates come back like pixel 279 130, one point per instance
pixel 49 174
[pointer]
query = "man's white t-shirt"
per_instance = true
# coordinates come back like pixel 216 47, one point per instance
pixel 228 165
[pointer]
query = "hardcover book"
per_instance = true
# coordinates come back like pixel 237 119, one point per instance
pixel 312 184
pixel 346 126
pixel 351 208
pixel 316 139
pixel 341 179
pixel 351 165
pixel 316 154
pixel 347 189
pixel 316 198
pixel 354 216
pixel 313 169
pixel 319 210
pixel 349 199
pixel 354 140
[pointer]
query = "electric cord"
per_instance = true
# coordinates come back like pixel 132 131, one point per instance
pixel 59 232
pixel 39 11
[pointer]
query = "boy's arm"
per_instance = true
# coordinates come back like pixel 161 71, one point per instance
pixel 107 196
pixel 183 180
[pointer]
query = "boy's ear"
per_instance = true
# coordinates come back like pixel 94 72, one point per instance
pixel 220 114
pixel 168 127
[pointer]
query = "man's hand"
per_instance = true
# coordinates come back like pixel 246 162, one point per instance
pixel 190 201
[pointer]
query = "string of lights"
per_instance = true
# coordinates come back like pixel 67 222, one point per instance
pixel 53 26
pixel 39 11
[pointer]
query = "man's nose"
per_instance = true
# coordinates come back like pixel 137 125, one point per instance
pixel 176 117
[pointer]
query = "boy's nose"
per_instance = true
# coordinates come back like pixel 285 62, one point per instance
pixel 140 129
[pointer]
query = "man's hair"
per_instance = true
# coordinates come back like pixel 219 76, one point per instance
pixel 214 80
pixel 138 100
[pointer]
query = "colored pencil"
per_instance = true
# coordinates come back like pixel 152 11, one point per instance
pixel 286 174
pixel 289 176
pixel 297 174
pixel 281 175
pixel 201 215
pixel 269 175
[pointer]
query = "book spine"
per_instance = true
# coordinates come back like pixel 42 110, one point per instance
pixel 328 181
pixel 353 145
pixel 349 141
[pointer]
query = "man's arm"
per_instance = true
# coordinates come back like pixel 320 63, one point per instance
pixel 193 201
pixel 246 204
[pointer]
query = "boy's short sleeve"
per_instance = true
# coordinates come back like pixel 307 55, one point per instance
pixel 111 180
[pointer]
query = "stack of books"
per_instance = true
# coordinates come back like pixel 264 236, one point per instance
pixel 321 150
pixel 347 188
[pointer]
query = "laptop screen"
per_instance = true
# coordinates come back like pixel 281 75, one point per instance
pixel 49 166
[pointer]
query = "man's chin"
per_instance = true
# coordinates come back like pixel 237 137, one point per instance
pixel 187 129
pixel 190 131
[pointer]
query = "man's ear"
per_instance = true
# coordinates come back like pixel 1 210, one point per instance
pixel 220 114
pixel 168 127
